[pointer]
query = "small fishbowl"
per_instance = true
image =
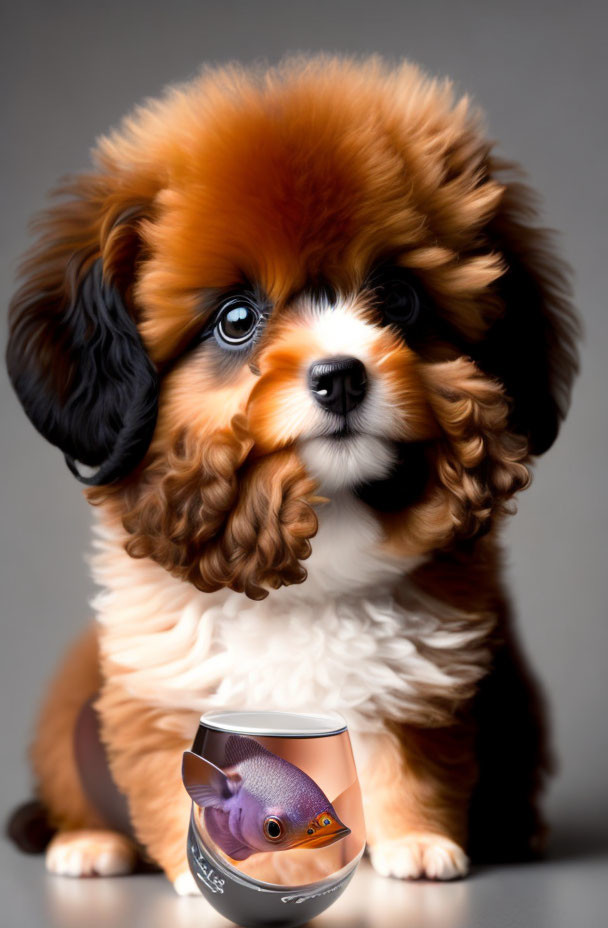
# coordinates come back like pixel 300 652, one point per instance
pixel 276 826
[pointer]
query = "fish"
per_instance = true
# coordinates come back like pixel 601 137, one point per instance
pixel 259 802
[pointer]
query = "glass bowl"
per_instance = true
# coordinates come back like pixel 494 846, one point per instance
pixel 276 827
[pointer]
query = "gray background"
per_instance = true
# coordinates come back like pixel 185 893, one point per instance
pixel 69 71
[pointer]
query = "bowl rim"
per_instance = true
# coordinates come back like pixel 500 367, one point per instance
pixel 273 723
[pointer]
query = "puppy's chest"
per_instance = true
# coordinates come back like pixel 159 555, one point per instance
pixel 339 642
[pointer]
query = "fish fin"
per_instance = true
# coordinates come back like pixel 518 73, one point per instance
pixel 217 824
pixel 239 748
pixel 205 783
pixel 233 781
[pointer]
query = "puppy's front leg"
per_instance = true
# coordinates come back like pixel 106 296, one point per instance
pixel 146 762
pixel 416 788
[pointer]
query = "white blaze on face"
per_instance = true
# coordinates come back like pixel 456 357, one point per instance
pixel 345 462
pixel 368 454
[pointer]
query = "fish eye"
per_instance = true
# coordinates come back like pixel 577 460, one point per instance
pixel 236 322
pixel 273 828
pixel 326 821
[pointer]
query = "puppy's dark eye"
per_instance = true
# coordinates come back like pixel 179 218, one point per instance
pixel 399 299
pixel 236 323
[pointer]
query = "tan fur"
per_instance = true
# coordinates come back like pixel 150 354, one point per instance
pixel 146 764
pixel 52 755
pixel 406 788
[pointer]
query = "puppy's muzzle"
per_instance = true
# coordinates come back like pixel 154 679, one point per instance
pixel 338 385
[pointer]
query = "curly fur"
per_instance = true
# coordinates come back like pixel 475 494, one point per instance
pixel 213 519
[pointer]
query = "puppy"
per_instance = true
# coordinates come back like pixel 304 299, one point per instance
pixel 298 335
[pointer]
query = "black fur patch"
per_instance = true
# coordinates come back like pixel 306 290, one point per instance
pixel 85 380
pixel 28 827
pixel 517 350
pixel 403 486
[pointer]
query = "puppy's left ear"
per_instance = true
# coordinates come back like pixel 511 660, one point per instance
pixel 531 349
pixel 74 354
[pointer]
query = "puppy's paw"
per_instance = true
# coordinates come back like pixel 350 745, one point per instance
pixel 420 855
pixel 185 885
pixel 90 853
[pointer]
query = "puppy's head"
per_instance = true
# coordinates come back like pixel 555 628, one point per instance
pixel 288 286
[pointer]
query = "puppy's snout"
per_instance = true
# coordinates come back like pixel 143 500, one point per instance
pixel 338 384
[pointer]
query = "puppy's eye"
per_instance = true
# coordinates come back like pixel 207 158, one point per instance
pixel 400 301
pixel 236 323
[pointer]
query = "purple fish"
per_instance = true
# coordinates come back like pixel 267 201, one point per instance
pixel 260 802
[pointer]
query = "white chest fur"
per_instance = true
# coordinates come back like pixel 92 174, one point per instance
pixel 341 641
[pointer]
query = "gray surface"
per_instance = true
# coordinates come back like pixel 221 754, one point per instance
pixel 71 69
pixel 563 893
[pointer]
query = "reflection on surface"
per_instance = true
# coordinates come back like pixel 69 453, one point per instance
pixel 557 893
pixel 369 902
pixel 124 901
pixel 377 902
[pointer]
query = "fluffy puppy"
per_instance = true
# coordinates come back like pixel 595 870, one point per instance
pixel 298 334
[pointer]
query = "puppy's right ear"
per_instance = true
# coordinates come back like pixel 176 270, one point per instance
pixel 74 356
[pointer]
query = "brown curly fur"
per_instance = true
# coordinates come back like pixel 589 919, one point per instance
pixel 212 518
pixel 477 463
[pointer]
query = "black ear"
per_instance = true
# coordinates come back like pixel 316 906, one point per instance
pixel 79 367
pixel 531 349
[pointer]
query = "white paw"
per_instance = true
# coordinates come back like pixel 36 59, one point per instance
pixel 185 885
pixel 420 855
pixel 90 853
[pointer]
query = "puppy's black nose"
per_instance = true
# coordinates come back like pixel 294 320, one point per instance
pixel 338 384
